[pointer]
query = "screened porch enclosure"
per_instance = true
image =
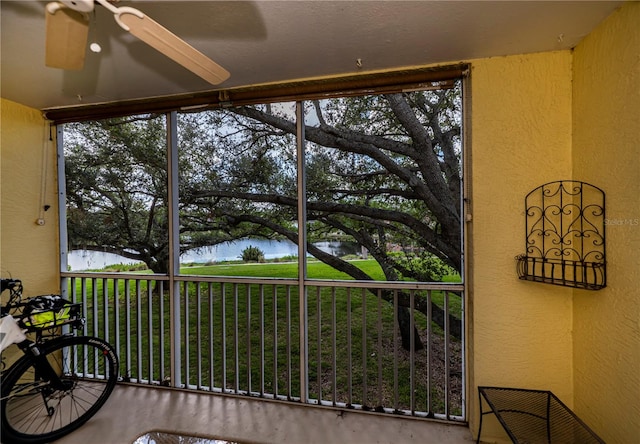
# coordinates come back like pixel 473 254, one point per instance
pixel 379 328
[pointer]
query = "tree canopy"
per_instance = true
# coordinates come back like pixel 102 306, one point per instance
pixel 381 170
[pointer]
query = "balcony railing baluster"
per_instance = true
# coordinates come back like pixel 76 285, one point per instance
pixel 138 331
pixel 379 353
pixel 275 342
pixel 447 370
pixel 428 347
pixel 236 346
pixel 127 330
pixel 150 334
pixel 210 322
pixel 349 352
pixel 396 356
pixel 186 375
pixel 412 353
pixel 318 343
pixel 365 373
pixel 116 313
pixel 334 362
pixel 262 335
pixel 105 309
pixel 252 349
pixel 199 335
pixel 161 341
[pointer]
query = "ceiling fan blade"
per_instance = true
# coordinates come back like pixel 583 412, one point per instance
pixel 169 44
pixel 66 37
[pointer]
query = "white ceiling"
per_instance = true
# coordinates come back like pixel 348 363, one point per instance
pixel 276 41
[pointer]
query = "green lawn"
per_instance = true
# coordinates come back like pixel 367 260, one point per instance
pixel 315 270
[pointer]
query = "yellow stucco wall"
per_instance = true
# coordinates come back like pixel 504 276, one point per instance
pixel 520 139
pixel 606 152
pixel 28 251
pixel 533 119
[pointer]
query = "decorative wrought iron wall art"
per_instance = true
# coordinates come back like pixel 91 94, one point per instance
pixel 565 236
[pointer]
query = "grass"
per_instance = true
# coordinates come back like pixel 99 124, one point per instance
pixel 248 335
pixel 315 270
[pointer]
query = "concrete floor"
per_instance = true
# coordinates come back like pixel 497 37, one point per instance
pixel 132 411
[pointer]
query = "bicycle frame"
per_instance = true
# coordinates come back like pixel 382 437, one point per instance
pixel 35 385
pixel 11 333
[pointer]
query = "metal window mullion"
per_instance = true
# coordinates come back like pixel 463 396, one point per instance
pixel 302 251
pixel 174 246
pixel 62 207
pixel 466 209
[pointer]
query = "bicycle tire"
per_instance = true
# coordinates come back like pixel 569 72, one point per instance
pixel 34 412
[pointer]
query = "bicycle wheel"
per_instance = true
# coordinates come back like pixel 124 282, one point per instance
pixel 33 411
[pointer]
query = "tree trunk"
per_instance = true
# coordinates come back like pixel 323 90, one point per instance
pixel 404 322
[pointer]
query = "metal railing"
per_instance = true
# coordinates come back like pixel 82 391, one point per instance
pixel 389 347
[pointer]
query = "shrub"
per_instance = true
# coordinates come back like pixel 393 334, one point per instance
pixel 121 268
pixel 425 266
pixel 252 254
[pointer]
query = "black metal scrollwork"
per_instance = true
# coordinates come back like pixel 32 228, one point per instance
pixel 565 235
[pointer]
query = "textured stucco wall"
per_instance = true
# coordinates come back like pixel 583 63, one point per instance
pixel 606 152
pixel 28 251
pixel 520 139
pixel 529 124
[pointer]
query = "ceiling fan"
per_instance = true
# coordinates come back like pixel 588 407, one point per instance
pixel 67 29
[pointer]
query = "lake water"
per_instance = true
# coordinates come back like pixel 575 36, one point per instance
pixel 228 251
pixel 232 251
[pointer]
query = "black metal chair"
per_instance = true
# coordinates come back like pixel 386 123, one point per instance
pixel 534 416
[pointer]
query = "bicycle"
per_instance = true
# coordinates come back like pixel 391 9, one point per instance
pixel 61 380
